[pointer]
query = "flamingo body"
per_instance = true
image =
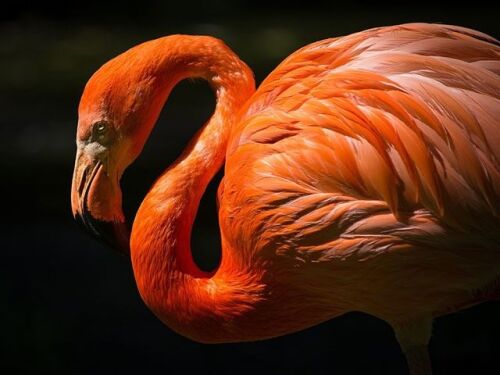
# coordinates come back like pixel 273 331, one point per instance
pixel 373 150
pixel 362 175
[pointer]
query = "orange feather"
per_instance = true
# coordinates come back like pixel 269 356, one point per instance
pixel 363 174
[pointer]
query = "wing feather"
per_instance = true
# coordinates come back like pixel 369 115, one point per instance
pixel 404 119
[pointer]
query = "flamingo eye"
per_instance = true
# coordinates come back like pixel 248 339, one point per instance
pixel 101 132
pixel 100 127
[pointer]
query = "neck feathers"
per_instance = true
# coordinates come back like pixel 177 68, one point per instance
pixel 187 299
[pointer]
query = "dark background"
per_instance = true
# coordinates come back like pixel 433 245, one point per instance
pixel 68 305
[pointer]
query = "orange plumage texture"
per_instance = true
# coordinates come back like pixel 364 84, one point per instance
pixel 362 175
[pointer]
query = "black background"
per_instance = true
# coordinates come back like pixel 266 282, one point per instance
pixel 70 306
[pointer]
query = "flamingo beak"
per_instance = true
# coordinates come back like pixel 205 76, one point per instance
pixel 96 204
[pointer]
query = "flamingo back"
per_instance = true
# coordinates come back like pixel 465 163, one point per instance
pixel 381 140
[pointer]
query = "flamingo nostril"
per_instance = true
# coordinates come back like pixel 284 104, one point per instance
pixel 83 178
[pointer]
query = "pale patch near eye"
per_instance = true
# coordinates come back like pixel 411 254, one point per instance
pixel 94 149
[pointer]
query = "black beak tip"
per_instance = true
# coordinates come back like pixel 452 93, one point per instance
pixel 113 234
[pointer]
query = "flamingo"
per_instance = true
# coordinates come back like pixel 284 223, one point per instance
pixel 362 175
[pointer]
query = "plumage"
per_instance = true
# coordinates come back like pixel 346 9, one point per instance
pixel 363 174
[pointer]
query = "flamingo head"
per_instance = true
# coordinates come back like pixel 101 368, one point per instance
pixel 117 111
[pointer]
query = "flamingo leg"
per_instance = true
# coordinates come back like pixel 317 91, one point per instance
pixel 419 362
pixel 414 338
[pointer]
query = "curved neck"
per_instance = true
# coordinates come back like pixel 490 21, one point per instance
pixel 168 279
